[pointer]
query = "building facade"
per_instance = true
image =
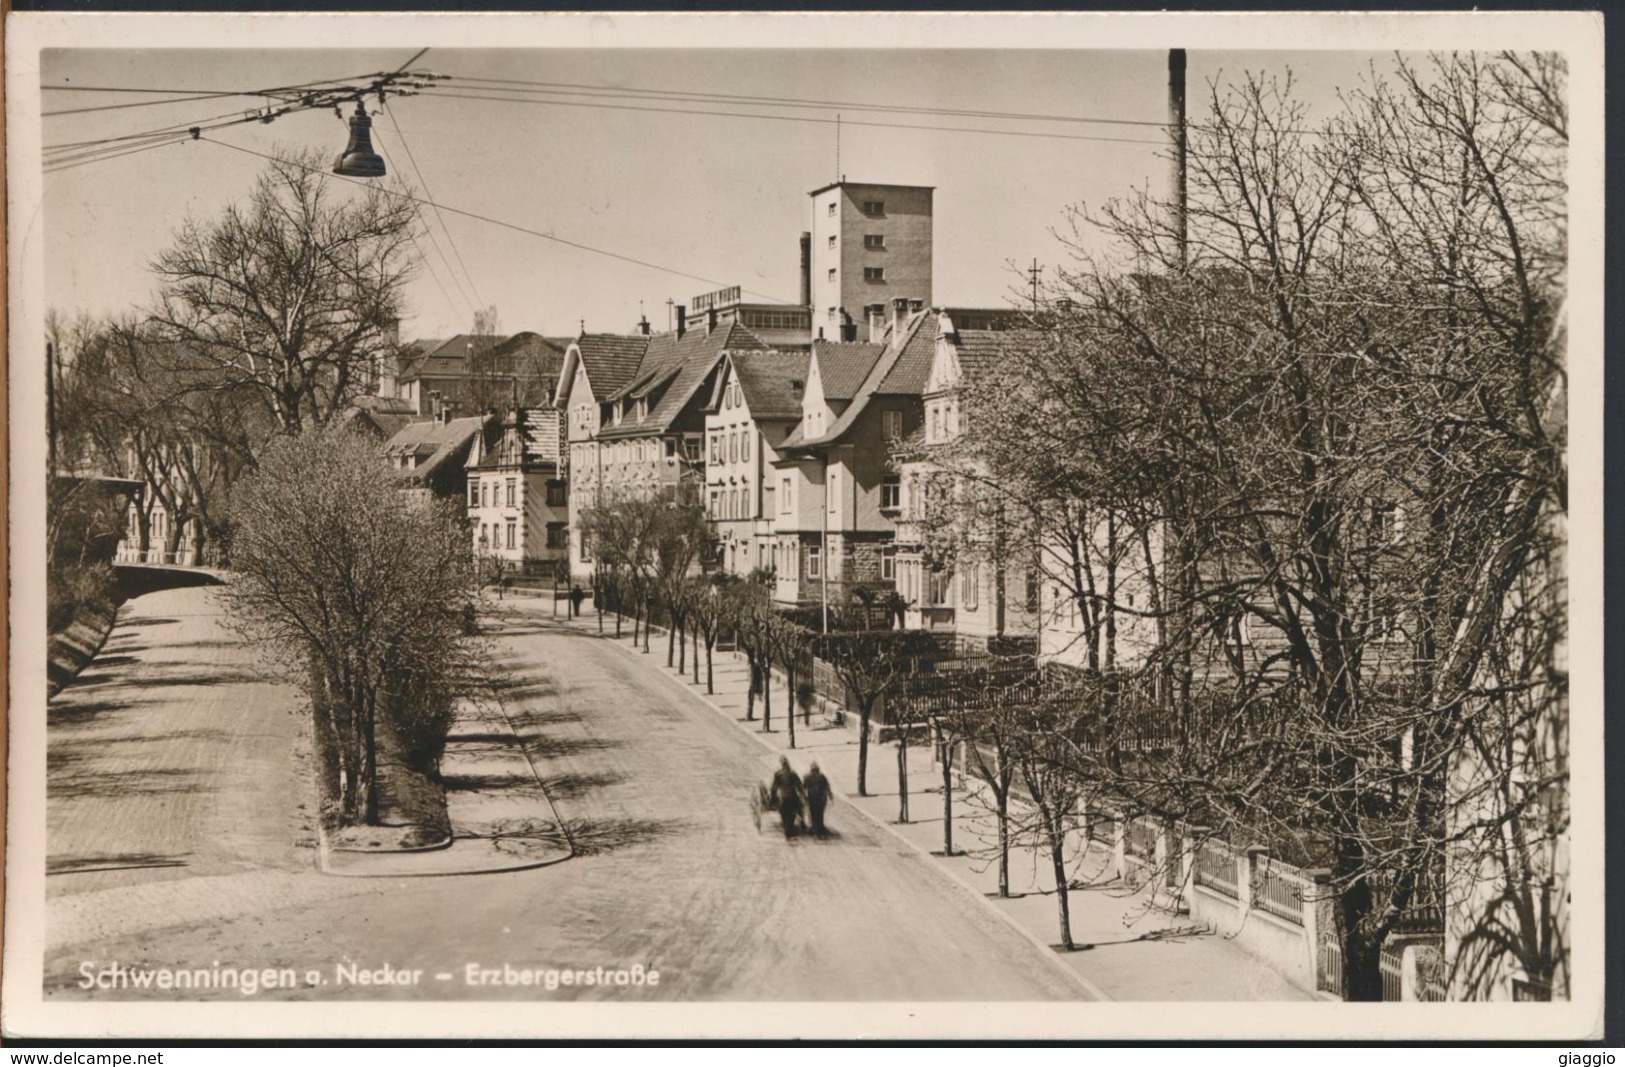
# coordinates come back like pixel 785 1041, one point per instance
pixel 518 494
pixel 871 244
pixel 754 405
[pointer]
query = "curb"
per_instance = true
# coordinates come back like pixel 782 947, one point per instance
pixel 1037 942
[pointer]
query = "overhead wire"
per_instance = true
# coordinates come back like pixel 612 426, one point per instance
pixel 427 192
pixel 207 94
pixel 521 229
pixel 127 151
pixel 582 89
pixel 467 307
pixel 441 95
pixel 635 92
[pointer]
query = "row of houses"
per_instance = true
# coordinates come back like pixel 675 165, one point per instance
pixel 806 429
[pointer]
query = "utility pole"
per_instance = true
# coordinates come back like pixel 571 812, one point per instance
pixel 50 406
pixel 1032 275
pixel 1176 130
pixel 837 146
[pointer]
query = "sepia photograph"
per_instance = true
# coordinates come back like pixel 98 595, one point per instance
pixel 1000 527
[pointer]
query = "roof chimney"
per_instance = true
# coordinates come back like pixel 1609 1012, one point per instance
pixel 682 321
pixel 710 320
pixel 899 316
pixel 849 329
pixel 643 325
pixel 806 269
pixel 876 314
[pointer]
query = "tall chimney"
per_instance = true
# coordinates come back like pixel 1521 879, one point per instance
pixel 1176 130
pixel 710 320
pixel 681 315
pixel 806 269
pixel 876 314
pixel 643 325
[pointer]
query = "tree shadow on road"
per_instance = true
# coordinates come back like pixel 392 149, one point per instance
pixel 576 786
pixel 595 837
pixel 148 782
pixel 112 861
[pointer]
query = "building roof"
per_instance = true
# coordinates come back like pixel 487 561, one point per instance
pixel 680 365
pixel 908 372
pixel 866 185
pixel 898 368
pixel 773 382
pixel 611 360
pixel 843 366
pixel 540 446
pixel 524 352
pixel 433 442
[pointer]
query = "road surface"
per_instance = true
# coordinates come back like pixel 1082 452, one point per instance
pixel 170 763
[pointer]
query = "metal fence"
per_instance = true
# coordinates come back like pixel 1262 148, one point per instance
pixel 1140 839
pixel 1216 868
pixel 1279 891
pixel 1329 967
pixel 1391 962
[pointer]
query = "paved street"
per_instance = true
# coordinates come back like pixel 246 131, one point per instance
pixel 652 785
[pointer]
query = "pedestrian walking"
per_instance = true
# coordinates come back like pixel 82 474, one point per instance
pixel 785 794
pixel 816 788
pixel 576 597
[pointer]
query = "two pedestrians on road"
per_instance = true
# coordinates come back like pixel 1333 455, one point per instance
pixel 789 792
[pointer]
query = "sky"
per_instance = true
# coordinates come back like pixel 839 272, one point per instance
pixel 720 198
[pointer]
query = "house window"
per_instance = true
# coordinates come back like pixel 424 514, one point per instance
pixel 874 240
pixel 937 586
pixel 558 535
pixel 671 448
pixel 832 209
pixel 733 448
pixel 485 535
pixel 832 236
pixel 874 207
pixel 815 562
pixel 715 496
pixel 485 494
pixel 888 566
pixel 830 315
pixel 744 446
pixel 892 424
pixel 512 493
pixel 474 493
pixel 1030 593
pixel 784 496
pixel 831 492
pixel 716 446
pixel 874 274
pixel 891 491
pixel 691 448
pixel 832 274
pixel 970 579
pixel 557 495
pixel 513 534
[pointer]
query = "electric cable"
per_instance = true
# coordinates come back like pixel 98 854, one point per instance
pixel 517 228
pixel 441 95
pixel 429 193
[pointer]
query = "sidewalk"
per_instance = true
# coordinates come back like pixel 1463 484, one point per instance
pixel 1136 952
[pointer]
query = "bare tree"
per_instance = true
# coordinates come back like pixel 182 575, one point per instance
pixel 290 296
pixel 1308 469
pixel 358 589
